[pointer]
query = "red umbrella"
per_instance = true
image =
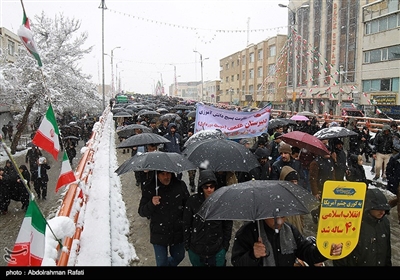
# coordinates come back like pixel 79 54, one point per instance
pixel 307 141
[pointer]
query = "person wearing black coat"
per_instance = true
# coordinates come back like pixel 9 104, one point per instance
pixel 286 159
pixel 40 178
pixel 206 241
pixel 4 192
pixel 23 192
pixel 356 171
pixel 274 244
pixel 163 200
pixel 374 244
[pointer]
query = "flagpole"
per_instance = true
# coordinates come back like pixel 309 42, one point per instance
pixel 32 197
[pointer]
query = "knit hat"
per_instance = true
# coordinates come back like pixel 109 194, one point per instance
pixel 285 148
pixel 292 176
pixel 385 127
pixel 261 153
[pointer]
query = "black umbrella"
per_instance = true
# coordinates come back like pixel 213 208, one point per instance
pixel 143 139
pixel 256 200
pixel 182 107
pixel 334 132
pixel 129 130
pixel 274 123
pixel 221 155
pixel 157 160
pixel 191 114
pixel 122 114
pixel 203 135
pixel 148 113
pixel 168 116
pixel 71 137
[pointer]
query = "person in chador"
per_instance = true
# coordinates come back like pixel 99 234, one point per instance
pixel 163 200
pixel 206 241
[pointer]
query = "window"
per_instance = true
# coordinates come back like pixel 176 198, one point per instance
pixel 383 24
pixel 233 64
pixel 243 60
pixel 259 72
pixel 11 48
pixel 227 66
pixel 260 55
pixel 227 79
pixel 271 88
pixel 243 75
pixel 271 70
pixel 384 54
pixel 394 52
pixel 375 56
pixel 251 89
pixel 251 73
pixel 237 77
pixel 381 85
pixel 232 78
pixel 251 57
pixel 272 50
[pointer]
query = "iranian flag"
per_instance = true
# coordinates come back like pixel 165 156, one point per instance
pixel 30 244
pixel 46 136
pixel 378 111
pixel 67 175
pixel 26 35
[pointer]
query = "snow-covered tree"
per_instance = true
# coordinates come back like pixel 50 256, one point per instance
pixel 60 80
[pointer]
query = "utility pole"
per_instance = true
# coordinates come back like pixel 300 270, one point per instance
pixel 103 7
pixel 338 110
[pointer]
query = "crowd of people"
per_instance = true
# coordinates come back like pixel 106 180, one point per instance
pixel 174 227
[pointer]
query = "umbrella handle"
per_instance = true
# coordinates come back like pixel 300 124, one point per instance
pixel 259 228
pixel 275 220
pixel 155 174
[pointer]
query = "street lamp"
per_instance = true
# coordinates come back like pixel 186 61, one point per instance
pixel 116 75
pixel 112 70
pixel 102 7
pixel 202 82
pixel 338 110
pixel 294 66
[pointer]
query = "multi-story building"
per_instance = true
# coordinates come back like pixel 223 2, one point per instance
pixel 9 43
pixel 249 77
pixel 342 54
pixel 379 59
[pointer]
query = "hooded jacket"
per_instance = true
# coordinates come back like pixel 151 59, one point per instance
pixel 374 246
pixel 205 238
pixel 356 171
pixel 175 139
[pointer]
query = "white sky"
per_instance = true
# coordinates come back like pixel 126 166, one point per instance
pixel 155 36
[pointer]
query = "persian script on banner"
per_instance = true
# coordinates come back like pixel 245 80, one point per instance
pixel 233 124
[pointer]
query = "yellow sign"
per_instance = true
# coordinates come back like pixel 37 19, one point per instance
pixel 342 207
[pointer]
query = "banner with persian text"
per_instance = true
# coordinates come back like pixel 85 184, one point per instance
pixel 234 124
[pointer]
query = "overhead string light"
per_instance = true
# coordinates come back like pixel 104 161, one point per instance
pixel 198 29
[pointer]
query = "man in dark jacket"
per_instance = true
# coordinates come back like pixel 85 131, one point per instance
pixel 176 142
pixel 286 159
pixel 274 243
pixel 374 246
pixel 40 178
pixel 163 201
pixel 206 241
pixel 393 177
